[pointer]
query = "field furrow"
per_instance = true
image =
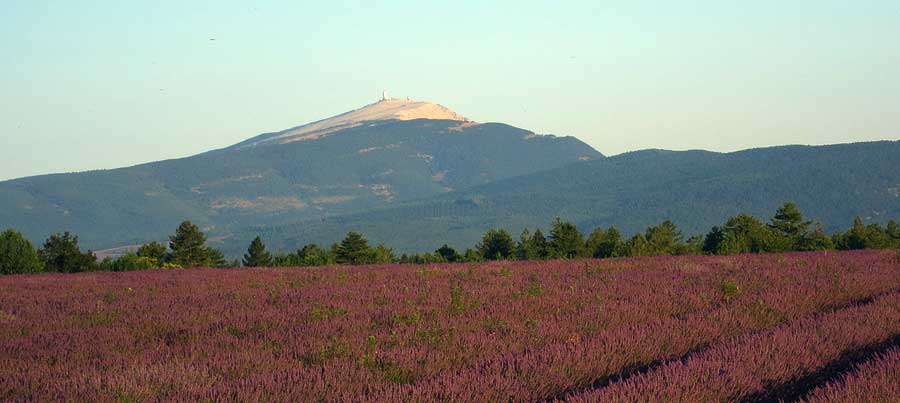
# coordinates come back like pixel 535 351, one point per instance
pixel 766 366
pixel 875 381
pixel 521 331
pixel 560 369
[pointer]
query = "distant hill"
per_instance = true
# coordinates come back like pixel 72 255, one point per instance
pixel 696 189
pixel 373 157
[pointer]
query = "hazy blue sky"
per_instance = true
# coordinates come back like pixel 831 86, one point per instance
pixel 101 84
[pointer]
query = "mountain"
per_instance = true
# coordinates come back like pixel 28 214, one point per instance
pixel 695 189
pixel 373 157
pixel 386 109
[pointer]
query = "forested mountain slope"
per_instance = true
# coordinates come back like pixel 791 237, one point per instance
pixel 695 189
pixel 372 164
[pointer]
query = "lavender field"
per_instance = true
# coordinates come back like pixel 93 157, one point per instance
pixel 816 327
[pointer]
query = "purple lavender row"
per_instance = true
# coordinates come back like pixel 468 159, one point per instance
pixel 787 292
pixel 875 381
pixel 532 329
pixel 753 365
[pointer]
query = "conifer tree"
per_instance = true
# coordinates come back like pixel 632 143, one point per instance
pixel 496 244
pixel 665 239
pixel 565 240
pixel 856 238
pixel 188 246
pixel 788 228
pixel 353 249
pixel 539 246
pixel 257 256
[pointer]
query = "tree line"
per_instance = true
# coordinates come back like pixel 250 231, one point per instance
pixel 61 253
pixel 786 231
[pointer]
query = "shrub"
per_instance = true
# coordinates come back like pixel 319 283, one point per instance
pixel 17 255
pixel 129 262
pixel 61 254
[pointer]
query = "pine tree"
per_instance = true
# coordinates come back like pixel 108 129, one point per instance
pixel 353 249
pixel 745 233
pixel 565 240
pixel 522 247
pixel 665 239
pixel 788 220
pixel 712 243
pixel 539 247
pixel 257 256
pixel 214 258
pixel 188 246
pixel 856 238
pixel 788 228
pixel 496 244
pixel 893 232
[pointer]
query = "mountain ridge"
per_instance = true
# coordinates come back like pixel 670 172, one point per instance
pixel 373 164
pixel 415 183
pixel 696 189
pixel 385 109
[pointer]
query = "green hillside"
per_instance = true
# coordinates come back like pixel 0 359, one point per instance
pixel 374 165
pixel 695 189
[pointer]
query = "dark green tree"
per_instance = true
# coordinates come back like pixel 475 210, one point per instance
pixel 713 241
pixel 313 255
pixel 449 254
pixel 308 255
pixel 788 228
pixel 188 247
pixel 154 250
pixel 788 221
pixel 61 254
pixel 257 255
pixel 605 243
pixel 496 244
pixel 472 255
pixel 354 249
pixel 638 246
pixel 285 260
pixel 816 239
pixel 855 238
pixel 380 254
pixel 215 258
pixel 129 262
pixel 538 247
pixel 893 232
pixel 693 246
pixel 877 237
pixel 531 247
pixel 17 255
pixel 566 241
pixel 665 239
pixel 744 233
pixel 522 245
